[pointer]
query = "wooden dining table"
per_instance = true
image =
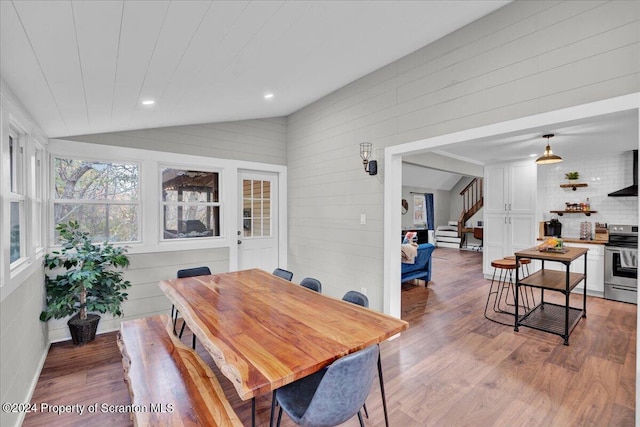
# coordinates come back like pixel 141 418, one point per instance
pixel 264 332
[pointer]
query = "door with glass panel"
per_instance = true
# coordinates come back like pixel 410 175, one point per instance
pixel 258 222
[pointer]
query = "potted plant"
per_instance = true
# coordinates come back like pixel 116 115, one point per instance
pixel 572 176
pixel 89 282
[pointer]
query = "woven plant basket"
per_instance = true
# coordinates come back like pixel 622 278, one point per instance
pixel 83 331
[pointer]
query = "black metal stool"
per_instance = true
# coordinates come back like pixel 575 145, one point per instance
pixel 504 268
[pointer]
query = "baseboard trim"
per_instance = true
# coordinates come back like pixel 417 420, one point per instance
pixel 34 382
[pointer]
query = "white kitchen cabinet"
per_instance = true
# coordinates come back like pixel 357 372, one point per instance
pixel 595 269
pixel 509 210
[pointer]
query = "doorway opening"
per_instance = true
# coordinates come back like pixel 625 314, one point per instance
pixel 525 128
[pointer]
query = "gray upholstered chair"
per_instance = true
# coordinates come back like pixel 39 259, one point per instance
pixel 361 299
pixel 332 395
pixel 287 275
pixel 357 298
pixel 311 283
pixel 188 272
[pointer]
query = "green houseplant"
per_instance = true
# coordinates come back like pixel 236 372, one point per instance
pixel 572 176
pixel 89 281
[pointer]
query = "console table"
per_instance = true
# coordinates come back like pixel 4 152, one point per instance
pixel 553 318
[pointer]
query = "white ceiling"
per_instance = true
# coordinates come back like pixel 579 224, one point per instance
pixel 83 67
pixel 574 140
pixel 417 176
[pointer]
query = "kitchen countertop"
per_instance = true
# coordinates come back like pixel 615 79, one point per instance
pixel 573 240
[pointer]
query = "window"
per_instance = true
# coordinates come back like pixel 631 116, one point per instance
pixel 102 196
pixel 37 175
pixel 190 203
pixel 17 200
pixel 256 208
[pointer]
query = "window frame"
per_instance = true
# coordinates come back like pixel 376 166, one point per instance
pixel 162 204
pixel 17 194
pixel 150 191
pixel 262 217
pixel 38 175
pixel 53 200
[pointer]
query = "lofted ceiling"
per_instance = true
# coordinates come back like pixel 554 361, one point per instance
pixel 83 67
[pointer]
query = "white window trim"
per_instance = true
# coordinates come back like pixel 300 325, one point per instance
pixel 162 204
pixel 19 169
pixel 14 122
pixel 38 175
pixel 260 178
pixel 150 189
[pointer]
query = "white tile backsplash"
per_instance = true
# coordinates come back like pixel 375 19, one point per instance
pixel 603 176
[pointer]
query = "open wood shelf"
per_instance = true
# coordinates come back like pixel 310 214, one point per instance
pixel 587 213
pixel 574 185
pixel 553 280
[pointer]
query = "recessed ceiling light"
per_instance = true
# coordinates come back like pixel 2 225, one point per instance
pixel 268 95
pixel 148 102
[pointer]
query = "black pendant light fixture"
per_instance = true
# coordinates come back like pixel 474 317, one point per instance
pixel 548 157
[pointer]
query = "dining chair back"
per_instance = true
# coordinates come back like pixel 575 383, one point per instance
pixel 187 272
pixel 311 283
pixel 192 272
pixel 357 298
pixel 332 395
pixel 287 275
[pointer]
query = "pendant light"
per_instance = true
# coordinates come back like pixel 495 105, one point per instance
pixel 548 156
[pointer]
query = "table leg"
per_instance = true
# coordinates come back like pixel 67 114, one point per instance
pixel 584 285
pixel 253 412
pixel 384 399
pixel 273 408
pixel 517 296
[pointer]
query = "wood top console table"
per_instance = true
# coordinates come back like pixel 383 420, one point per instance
pixel 553 318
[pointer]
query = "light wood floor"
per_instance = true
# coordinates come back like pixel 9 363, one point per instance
pixel 451 368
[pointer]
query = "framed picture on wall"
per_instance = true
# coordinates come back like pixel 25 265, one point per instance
pixel 418 209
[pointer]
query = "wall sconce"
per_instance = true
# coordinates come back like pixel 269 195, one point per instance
pixel 370 166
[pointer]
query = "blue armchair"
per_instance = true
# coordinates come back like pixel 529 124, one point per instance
pixel 421 269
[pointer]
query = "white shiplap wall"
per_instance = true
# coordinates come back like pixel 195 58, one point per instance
pixel 260 140
pixel 23 338
pixel 524 59
pixel 145 296
pixel 23 343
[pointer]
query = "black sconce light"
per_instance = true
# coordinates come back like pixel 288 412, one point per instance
pixel 370 166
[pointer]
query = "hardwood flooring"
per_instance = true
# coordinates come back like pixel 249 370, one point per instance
pixel 450 368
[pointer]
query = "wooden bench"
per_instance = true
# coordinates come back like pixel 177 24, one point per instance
pixel 170 385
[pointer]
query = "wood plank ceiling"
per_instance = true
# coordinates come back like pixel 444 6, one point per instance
pixel 85 66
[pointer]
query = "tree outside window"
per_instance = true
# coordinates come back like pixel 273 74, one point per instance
pixel 103 197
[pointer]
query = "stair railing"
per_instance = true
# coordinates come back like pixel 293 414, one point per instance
pixel 472 201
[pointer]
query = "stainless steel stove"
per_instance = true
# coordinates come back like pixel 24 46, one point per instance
pixel 621 264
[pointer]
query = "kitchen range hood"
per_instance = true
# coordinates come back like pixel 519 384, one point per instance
pixel 633 189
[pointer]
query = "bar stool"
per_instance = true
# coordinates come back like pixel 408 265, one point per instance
pixel 524 262
pixel 505 268
pixel 526 290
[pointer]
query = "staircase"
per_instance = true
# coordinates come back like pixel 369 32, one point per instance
pixel 472 201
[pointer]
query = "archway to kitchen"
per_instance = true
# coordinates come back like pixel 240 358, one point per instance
pixel 527 125
pixel 393 176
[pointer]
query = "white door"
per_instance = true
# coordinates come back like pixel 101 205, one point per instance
pixel 258 236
